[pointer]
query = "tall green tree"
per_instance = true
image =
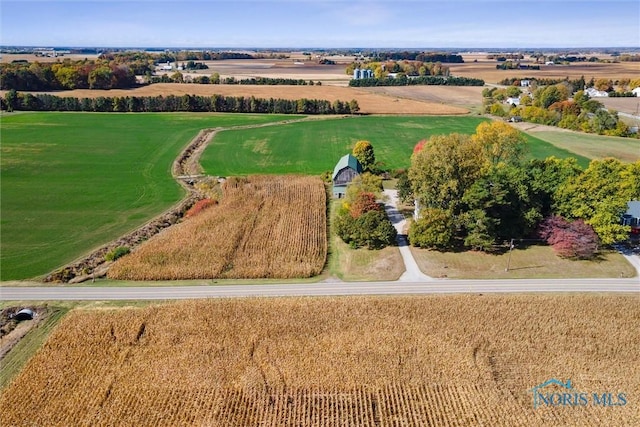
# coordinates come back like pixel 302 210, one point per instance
pixel 363 151
pixel 100 78
pixel 599 196
pixel 405 193
pixel 547 176
pixel 11 99
pixel 545 96
pixel 500 142
pixel 435 229
pixel 499 206
pixel 445 167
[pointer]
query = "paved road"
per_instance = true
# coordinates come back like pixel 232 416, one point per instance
pixel 318 289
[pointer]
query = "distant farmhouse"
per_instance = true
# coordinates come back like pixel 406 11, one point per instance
pixel 595 93
pixel 347 168
pixel 513 100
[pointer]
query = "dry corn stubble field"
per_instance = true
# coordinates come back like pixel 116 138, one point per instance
pixel 249 234
pixel 463 360
pixel 369 103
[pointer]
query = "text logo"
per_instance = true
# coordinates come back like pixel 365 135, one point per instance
pixel 556 393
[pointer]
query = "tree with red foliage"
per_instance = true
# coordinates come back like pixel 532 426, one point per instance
pixel 575 239
pixel 419 146
pixel 364 202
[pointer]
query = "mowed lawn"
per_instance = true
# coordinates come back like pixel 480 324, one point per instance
pixel 314 146
pixel 71 182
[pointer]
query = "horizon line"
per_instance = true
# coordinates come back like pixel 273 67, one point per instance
pixel 354 47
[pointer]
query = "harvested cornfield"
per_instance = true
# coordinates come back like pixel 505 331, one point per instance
pixel 264 227
pixel 464 360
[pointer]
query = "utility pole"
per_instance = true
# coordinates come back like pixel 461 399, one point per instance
pixel 509 259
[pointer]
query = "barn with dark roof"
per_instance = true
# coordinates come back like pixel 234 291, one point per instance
pixel 347 168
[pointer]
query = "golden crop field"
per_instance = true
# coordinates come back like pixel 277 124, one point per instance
pixel 456 360
pixel 252 233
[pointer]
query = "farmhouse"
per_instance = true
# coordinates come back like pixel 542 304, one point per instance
pixel 347 168
pixel 636 91
pixel 632 216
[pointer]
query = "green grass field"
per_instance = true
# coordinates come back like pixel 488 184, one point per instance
pixel 315 146
pixel 71 182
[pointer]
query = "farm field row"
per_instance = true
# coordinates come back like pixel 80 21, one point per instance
pixel 433 360
pixel 74 181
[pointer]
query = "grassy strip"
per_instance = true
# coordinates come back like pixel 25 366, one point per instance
pixel 355 265
pixel 533 262
pixel 29 344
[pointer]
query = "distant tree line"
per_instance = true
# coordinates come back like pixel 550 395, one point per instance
pixel 504 56
pixel 14 101
pixel 416 81
pixel 199 56
pixel 628 94
pixel 192 65
pixel 267 81
pixel 417 56
pixel 509 65
pixel 577 84
pixel 100 74
pixel 178 77
pixel 406 67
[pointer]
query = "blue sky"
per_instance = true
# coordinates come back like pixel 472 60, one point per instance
pixel 321 23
